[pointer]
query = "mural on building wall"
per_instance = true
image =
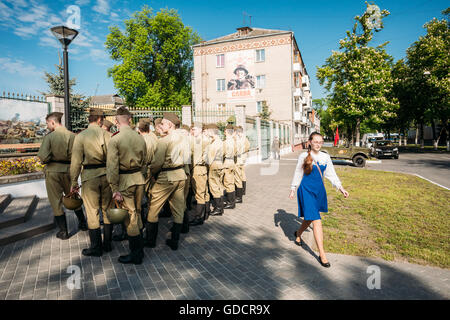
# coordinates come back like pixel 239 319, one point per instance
pixel 22 121
pixel 240 75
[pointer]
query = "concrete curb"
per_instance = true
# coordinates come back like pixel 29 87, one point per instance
pixel 22 177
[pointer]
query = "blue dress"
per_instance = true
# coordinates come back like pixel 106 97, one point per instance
pixel 311 195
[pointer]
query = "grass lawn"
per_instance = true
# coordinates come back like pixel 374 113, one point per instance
pixel 389 215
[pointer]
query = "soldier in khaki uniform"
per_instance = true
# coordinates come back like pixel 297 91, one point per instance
pixel 215 171
pixel 107 126
pixel 199 179
pixel 246 144
pixel 168 165
pixel 184 132
pixel 89 152
pixel 125 169
pixel 229 152
pixel 158 130
pixel 55 152
pixel 240 162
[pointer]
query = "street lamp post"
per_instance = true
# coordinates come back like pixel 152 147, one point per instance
pixel 65 35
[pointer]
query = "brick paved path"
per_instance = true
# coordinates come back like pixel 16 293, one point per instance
pixel 248 253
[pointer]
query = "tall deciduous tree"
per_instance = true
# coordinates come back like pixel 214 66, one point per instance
pixel 358 78
pixel 155 55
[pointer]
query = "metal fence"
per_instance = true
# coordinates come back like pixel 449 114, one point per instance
pixel 214 114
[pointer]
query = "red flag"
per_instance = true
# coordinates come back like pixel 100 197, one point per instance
pixel 336 137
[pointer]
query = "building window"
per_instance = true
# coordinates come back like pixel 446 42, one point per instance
pixel 297 104
pixel 220 62
pixel 261 81
pixel 220 84
pixel 297 80
pixel 260 55
pixel 259 106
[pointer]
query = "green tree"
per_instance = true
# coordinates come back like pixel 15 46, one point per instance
pixel 358 78
pixel 327 127
pixel 155 55
pixel 79 104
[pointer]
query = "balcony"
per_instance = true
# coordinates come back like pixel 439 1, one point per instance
pixel 297 67
pixel 298 92
pixel 305 83
pixel 297 116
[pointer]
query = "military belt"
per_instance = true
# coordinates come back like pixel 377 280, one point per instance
pixel 229 158
pixel 60 161
pixel 130 171
pixel 174 168
pixel 94 166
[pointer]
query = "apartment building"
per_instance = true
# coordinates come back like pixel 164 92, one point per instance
pixel 255 67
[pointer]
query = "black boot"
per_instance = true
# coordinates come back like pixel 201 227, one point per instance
pixel 136 252
pixel 207 210
pixel 239 195
pixel 231 200
pixel 151 233
pixel 199 215
pixel 173 242
pixel 82 225
pixel 62 225
pixel 218 207
pixel 95 235
pixel 185 226
pixel 107 237
pixel 122 235
pixel 244 183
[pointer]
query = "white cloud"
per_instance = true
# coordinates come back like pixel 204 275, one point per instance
pixel 25 31
pixel 49 42
pixel 82 2
pixel 19 67
pixel 102 7
pixel 34 14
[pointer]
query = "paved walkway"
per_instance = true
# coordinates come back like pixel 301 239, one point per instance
pixel 248 253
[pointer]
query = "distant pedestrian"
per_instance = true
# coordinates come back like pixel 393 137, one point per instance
pixel 312 166
pixel 276 148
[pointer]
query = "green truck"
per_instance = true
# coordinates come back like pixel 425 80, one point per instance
pixel 358 155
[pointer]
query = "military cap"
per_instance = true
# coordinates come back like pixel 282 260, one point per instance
pixel 172 117
pixel 96 112
pixel 185 127
pixel 158 121
pixel 122 111
pixel 211 126
pixel 57 115
pixel 229 127
pixel 107 123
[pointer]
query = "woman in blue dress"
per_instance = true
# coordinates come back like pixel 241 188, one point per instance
pixel 312 167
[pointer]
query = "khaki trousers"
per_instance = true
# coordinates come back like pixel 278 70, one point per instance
pixel 200 188
pixel 167 191
pixel 228 179
pixel 57 183
pixel 132 198
pixel 238 175
pixel 215 182
pixel 96 194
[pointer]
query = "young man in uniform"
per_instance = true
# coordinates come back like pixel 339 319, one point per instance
pixel 169 167
pixel 89 152
pixel 125 169
pixel 239 167
pixel 229 151
pixel 55 152
pixel 215 173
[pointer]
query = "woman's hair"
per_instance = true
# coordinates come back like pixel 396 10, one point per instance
pixel 307 164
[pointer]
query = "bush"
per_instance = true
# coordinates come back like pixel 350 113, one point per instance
pixel 20 166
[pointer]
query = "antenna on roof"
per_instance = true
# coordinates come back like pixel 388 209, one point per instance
pixel 250 17
pixel 243 17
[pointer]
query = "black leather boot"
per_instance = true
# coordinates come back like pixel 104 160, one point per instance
pixel 82 225
pixel 244 183
pixel 151 233
pixel 218 207
pixel 231 200
pixel 176 230
pixel 185 225
pixel 107 237
pixel 199 215
pixel 135 256
pixel 239 195
pixel 122 235
pixel 207 210
pixel 62 225
pixel 95 235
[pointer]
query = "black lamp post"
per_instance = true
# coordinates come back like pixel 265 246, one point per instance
pixel 65 36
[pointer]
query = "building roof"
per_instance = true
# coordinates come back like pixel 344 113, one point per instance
pixel 243 33
pixel 107 99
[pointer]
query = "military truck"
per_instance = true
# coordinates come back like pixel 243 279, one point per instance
pixel 358 155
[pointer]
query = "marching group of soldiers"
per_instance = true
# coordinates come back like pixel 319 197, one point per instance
pixel 176 169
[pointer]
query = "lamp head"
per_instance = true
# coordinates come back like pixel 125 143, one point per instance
pixel 64 34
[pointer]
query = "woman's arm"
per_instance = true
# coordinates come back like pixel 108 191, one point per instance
pixel 298 174
pixel 331 175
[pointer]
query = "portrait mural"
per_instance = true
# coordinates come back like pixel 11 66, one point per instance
pixel 240 75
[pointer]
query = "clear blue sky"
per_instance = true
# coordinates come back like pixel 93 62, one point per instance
pixel 27 48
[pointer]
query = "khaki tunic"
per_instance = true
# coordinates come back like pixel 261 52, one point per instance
pixel 239 167
pixel 215 161
pixel 151 141
pixel 90 148
pixel 229 152
pixel 199 179
pixel 57 146
pixel 169 185
pixel 127 151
